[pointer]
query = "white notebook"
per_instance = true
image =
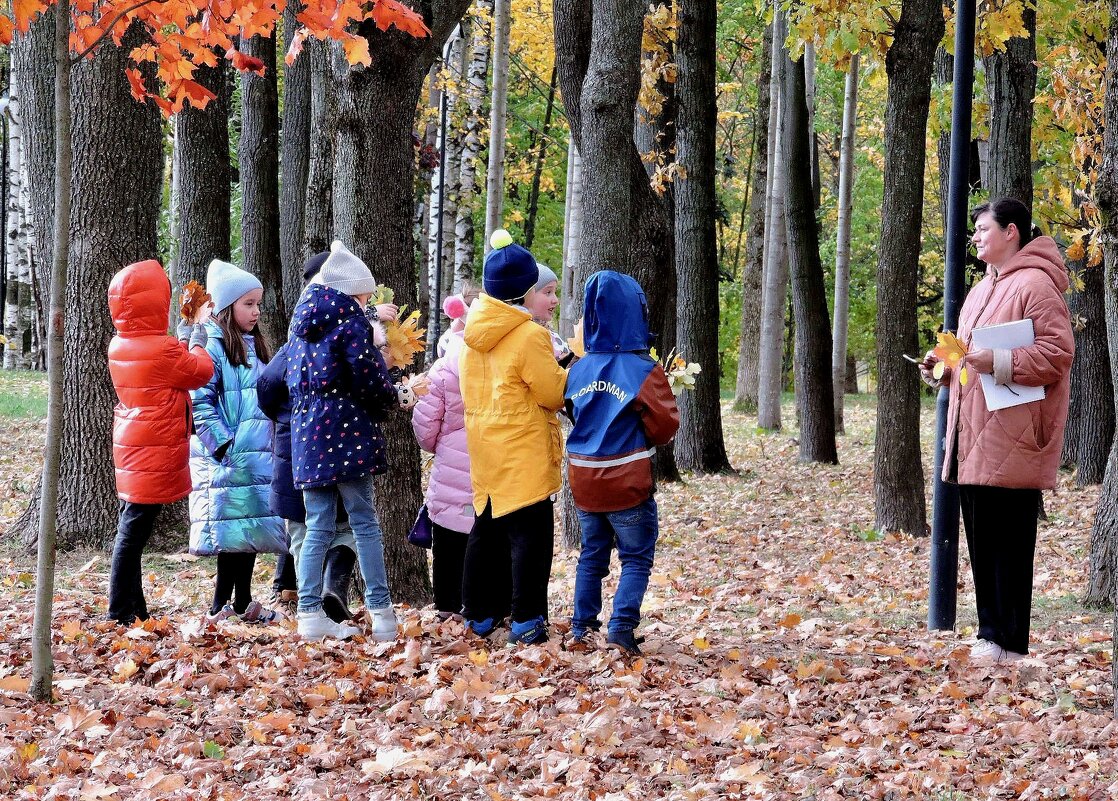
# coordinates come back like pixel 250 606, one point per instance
pixel 1017 334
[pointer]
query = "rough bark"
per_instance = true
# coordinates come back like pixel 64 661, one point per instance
pixel 749 341
pixel 468 189
pixel 898 474
pixel 1090 425
pixel 699 445
pixel 203 177
pixel 842 248
pixel 318 226
pixel 376 115
pixel 1011 87
pixel 1105 528
pixel 775 277
pixel 498 112
pixel 258 159
pixel 112 223
pixel 809 295
pixel 295 146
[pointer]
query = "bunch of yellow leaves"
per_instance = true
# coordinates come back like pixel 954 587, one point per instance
pixel 951 353
pixel 404 338
pixel 575 343
pixel 681 373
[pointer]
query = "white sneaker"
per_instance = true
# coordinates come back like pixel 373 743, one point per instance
pixel 317 626
pixel 987 653
pixel 383 623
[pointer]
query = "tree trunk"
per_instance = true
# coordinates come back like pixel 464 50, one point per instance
pixel 42 658
pixel 318 226
pixel 1090 425
pixel 113 223
pixel 19 290
pixel 295 162
pixel 377 108
pixel 749 342
pixel 898 474
pixel 476 74
pixel 943 75
pixel 1011 87
pixel 537 173
pixel 775 287
pixel 259 167
pixel 498 110
pixel 1105 530
pixel 842 248
pixel 809 295
pixel 699 445
pixel 203 174
pixel 572 238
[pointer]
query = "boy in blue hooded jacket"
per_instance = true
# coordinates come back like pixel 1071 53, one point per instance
pixel 623 408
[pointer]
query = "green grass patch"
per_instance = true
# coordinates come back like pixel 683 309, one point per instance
pixel 23 394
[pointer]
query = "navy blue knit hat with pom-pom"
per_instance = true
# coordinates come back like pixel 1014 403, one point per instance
pixel 510 270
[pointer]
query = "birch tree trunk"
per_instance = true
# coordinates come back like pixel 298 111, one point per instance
pixel 749 342
pixel 294 162
pixel 842 248
pixel 699 445
pixel 476 73
pixel 19 291
pixel 572 239
pixel 775 290
pixel 498 112
pixel 898 474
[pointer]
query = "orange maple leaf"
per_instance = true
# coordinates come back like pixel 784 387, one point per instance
pixel 23 11
pixel 296 46
pixel 192 91
pixel 357 50
pixel 244 62
pixel 387 13
pixel 136 81
pixel 6 28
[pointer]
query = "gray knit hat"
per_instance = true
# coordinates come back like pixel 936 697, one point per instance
pixel 345 272
pixel 547 275
pixel 227 282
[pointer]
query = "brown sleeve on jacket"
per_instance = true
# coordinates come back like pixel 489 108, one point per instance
pixel 656 405
pixel 1049 357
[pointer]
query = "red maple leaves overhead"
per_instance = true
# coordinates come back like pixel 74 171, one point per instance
pixel 185 34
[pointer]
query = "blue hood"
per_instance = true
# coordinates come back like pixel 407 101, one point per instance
pixel 615 314
pixel 321 309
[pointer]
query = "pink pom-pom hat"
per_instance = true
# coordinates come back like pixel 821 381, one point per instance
pixel 454 307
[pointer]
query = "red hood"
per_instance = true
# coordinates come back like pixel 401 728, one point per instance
pixel 1040 254
pixel 140 299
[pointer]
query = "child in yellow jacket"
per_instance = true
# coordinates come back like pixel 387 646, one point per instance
pixel 512 388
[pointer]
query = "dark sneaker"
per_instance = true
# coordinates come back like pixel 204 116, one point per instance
pixel 530 632
pixel 256 612
pixel 624 639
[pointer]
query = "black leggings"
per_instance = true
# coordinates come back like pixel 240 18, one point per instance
pixel 234 575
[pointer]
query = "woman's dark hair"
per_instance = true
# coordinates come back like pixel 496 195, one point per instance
pixel 233 340
pixel 1006 211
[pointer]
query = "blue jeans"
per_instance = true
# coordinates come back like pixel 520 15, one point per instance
pixel 321 503
pixel 634 531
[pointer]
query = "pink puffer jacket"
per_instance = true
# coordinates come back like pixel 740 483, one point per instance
pixel 1018 447
pixel 438 420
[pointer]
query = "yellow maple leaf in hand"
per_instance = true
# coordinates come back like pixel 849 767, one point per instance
pixel 403 341
pixel 950 352
pixel 575 343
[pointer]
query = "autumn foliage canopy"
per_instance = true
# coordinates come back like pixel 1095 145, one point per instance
pixel 185 34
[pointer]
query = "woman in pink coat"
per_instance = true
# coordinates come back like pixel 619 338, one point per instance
pixel 438 420
pixel 1002 459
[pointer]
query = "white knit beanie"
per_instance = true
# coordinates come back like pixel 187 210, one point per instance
pixel 345 272
pixel 227 282
pixel 547 275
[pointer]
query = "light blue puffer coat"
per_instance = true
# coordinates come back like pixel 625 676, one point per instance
pixel 229 509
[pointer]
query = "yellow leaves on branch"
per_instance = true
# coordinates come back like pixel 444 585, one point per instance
pixel 404 340
pixel 183 34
